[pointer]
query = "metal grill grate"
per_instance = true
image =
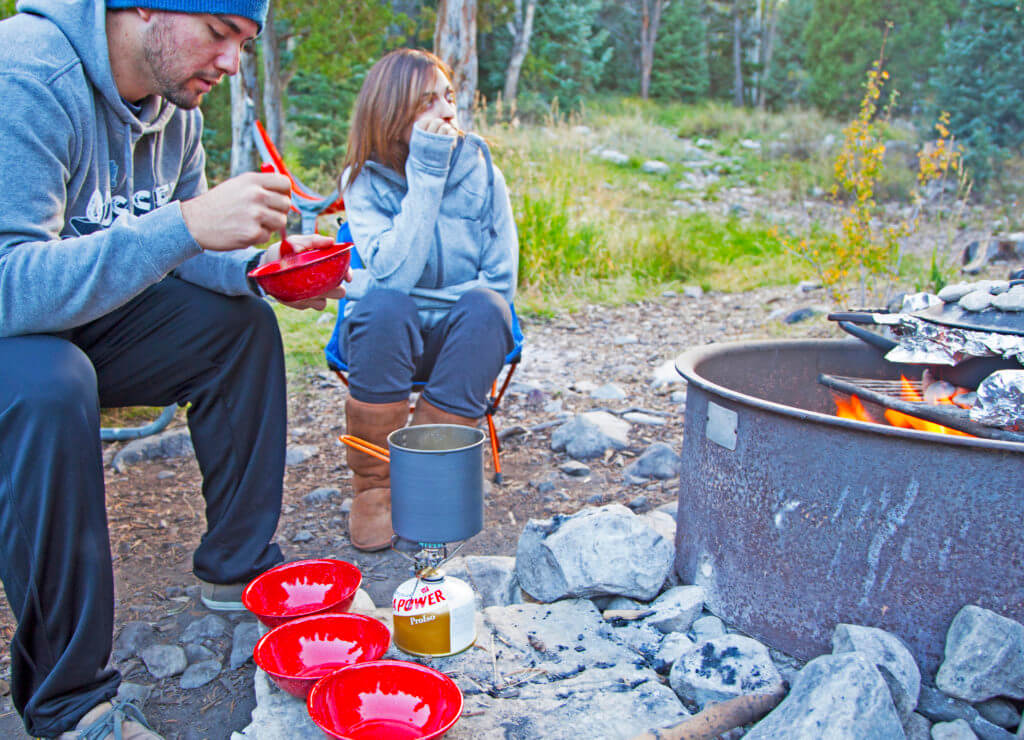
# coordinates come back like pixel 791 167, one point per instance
pixel 893 394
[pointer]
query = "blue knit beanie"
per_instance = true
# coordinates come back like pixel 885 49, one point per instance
pixel 255 10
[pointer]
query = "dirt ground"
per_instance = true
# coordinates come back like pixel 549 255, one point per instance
pixel 156 511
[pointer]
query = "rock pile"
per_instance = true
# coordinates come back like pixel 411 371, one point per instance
pixel 586 632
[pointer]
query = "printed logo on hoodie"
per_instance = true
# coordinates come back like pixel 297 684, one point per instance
pixel 103 209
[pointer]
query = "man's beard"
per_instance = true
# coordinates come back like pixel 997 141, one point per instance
pixel 160 55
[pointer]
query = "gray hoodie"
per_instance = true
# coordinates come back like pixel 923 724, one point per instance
pixel 444 228
pixel 89 188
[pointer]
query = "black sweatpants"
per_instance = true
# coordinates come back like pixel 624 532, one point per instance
pixel 388 351
pixel 174 343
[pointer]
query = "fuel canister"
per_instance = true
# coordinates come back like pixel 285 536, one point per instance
pixel 434 615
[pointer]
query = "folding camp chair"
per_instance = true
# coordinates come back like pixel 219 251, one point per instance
pixel 309 204
pixel 337 363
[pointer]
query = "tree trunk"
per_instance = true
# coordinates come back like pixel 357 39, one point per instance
pixel 737 56
pixel 243 111
pixel 273 105
pixel 770 18
pixel 648 37
pixel 455 43
pixel 522 29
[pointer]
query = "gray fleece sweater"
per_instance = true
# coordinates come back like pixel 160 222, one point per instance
pixel 438 230
pixel 89 188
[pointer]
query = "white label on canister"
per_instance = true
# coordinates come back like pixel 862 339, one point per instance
pixel 434 617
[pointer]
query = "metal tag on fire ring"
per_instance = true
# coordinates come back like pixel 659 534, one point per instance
pixel 721 426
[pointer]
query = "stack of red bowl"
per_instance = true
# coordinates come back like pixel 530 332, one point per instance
pixel 317 651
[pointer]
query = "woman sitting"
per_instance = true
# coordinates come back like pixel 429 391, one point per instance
pixel 431 219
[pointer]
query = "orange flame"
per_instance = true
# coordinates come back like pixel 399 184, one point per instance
pixel 854 409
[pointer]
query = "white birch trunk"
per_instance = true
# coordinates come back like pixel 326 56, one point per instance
pixel 273 106
pixel 455 43
pixel 648 37
pixel 243 111
pixel 522 29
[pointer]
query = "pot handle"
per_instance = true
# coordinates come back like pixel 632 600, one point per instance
pixel 366 447
pixel 882 344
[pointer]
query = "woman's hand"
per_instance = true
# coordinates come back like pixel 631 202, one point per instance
pixel 437 126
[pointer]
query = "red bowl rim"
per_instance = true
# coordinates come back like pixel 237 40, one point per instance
pixel 247 592
pixel 321 255
pixel 320 686
pixel 330 617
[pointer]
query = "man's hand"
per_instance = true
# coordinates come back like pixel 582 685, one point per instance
pixel 300 243
pixel 245 210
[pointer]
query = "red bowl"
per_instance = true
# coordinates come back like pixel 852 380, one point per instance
pixel 385 700
pixel 302 588
pixel 298 653
pixel 304 274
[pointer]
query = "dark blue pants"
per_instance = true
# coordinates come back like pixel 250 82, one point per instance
pixel 458 359
pixel 174 343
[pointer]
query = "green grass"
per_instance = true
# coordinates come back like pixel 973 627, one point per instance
pixel 595 231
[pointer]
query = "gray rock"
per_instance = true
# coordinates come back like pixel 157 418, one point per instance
pixel 175 443
pixel 137 693
pixel 200 674
pixel 722 668
pixel 840 697
pixel 977 300
pixel 705 628
pixel 956 730
pixel 164 660
pixel 298 454
pixel 639 504
pixel 575 468
pixel 678 397
pixel 243 642
pixel 662 523
pixel 917 727
pixel 627 339
pixel 693 291
pixel 658 461
pixel 1000 712
pixel 209 627
pixel 801 314
pixel 608 392
pixel 672 647
pixel 676 609
pixel 586 436
pixel 984 656
pixel 888 652
pixel 492 577
pixel 654 167
pixel 1012 300
pixel 598 551
pixel 666 375
pixel 303 535
pixel 938 707
pixel 320 496
pixel 164 475
pixel 953 293
pixel 198 653
pixel 132 638
pixel 613 156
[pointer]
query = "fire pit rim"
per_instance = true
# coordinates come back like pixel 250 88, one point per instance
pixel 687 362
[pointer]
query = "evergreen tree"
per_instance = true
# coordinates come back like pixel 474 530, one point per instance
pixel 568 53
pixel 844 38
pixel 979 83
pixel 788 81
pixel 680 59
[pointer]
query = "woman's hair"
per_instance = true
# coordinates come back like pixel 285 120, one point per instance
pixel 387 106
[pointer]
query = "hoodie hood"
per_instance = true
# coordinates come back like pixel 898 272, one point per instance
pixel 84 23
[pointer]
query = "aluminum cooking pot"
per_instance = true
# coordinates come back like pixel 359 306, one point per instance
pixel 437 480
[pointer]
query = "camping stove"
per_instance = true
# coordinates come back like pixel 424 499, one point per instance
pixel 434 614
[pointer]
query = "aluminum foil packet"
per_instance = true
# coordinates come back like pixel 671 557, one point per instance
pixel 925 342
pixel 1000 401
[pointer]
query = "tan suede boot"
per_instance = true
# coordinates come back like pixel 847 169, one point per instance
pixel 369 522
pixel 427 413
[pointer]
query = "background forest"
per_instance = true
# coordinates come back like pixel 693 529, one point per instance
pixel 655 143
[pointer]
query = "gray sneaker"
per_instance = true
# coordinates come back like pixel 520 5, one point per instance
pixel 222 597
